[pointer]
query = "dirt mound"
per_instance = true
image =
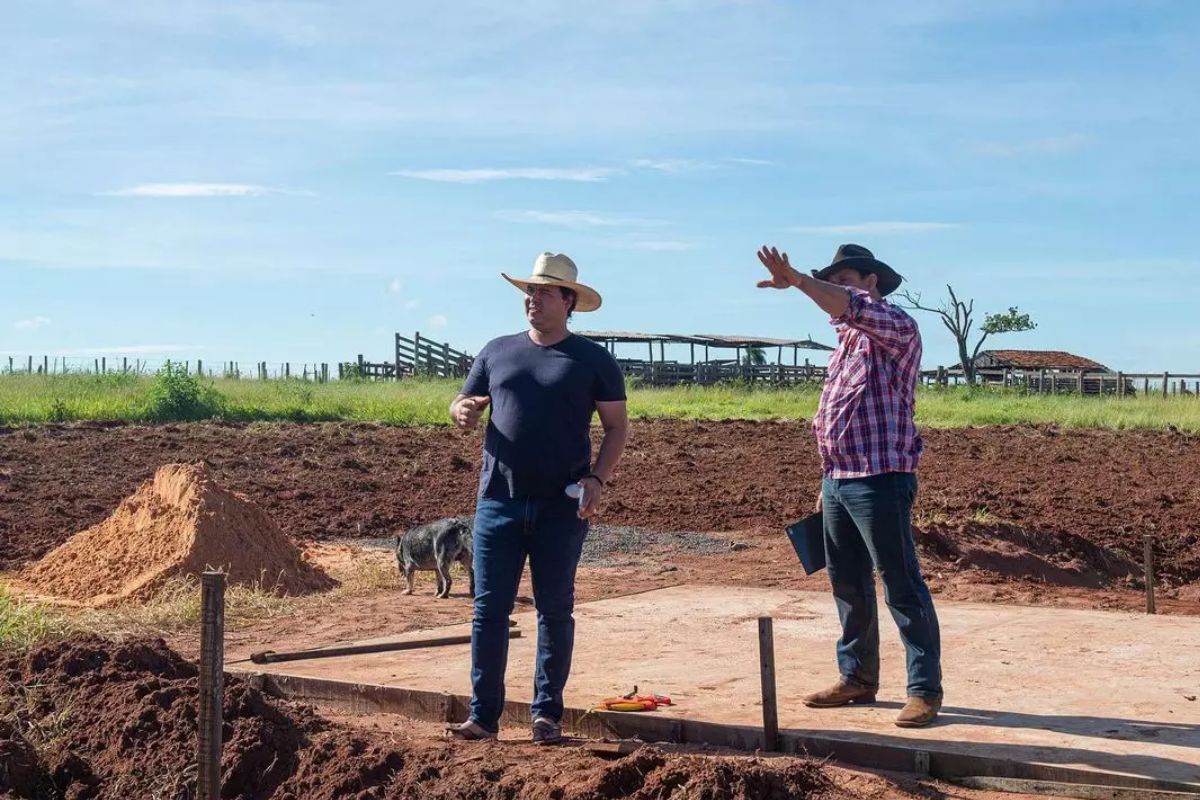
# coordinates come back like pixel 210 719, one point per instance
pixel 109 718
pixel 112 720
pixel 177 524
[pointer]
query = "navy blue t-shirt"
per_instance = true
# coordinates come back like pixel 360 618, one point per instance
pixel 543 398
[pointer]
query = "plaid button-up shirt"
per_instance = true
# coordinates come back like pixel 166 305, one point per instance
pixel 864 424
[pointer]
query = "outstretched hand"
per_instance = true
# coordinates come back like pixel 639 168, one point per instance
pixel 783 276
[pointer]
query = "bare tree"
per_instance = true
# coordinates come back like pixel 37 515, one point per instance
pixel 958 318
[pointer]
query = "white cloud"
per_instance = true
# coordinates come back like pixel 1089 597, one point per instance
pixel 395 286
pixel 656 245
pixel 31 324
pixel 438 321
pixel 484 174
pixel 574 219
pixel 869 228
pixel 672 166
pixel 129 350
pixel 200 190
pixel 1049 146
pixel 677 166
pixel 412 305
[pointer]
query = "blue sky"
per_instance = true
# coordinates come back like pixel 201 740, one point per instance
pixel 296 180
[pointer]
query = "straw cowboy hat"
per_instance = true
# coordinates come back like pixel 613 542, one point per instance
pixel 555 269
pixel 858 257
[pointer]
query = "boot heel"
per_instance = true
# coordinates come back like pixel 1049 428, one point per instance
pixel 865 700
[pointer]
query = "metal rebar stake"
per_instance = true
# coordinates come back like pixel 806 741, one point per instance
pixel 1148 541
pixel 212 673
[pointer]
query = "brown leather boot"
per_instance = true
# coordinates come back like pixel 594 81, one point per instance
pixel 840 694
pixel 919 712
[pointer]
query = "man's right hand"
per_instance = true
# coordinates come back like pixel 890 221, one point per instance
pixel 783 275
pixel 468 410
pixel 820 501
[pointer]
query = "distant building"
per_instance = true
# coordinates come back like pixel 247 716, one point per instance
pixel 1044 371
pixel 1037 360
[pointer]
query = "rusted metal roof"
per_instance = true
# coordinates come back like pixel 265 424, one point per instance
pixel 633 336
pixel 1042 359
pixel 718 340
pixel 712 340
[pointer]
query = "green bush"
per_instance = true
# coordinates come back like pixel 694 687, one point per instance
pixel 177 395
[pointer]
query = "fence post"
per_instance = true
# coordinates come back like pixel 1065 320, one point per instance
pixel 45 365
pixel 445 359
pixel 1081 374
pixel 766 662
pixel 212 674
pixel 1166 383
pixel 417 353
pixel 1120 384
pixel 397 356
pixel 1041 381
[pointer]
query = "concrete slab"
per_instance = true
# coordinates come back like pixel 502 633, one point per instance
pixel 1103 691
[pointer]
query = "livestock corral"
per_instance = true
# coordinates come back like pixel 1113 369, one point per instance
pixel 1033 539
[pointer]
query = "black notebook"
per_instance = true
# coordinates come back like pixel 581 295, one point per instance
pixel 808 538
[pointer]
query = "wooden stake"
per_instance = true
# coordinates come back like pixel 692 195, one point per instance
pixel 766 660
pixel 212 673
pixel 1148 541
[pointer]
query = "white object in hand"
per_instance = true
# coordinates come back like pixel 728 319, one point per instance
pixel 576 490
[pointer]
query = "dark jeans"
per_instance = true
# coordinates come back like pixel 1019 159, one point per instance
pixel 868 527
pixel 550 534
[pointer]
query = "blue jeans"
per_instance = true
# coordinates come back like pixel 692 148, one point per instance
pixel 550 534
pixel 868 527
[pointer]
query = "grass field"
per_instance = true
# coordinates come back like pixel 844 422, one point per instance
pixel 35 399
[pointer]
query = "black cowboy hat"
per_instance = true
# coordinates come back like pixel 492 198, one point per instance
pixel 855 256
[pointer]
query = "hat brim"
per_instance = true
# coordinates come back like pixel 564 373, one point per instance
pixel 889 279
pixel 586 298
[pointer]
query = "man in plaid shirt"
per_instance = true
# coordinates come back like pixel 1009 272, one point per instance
pixel 869 452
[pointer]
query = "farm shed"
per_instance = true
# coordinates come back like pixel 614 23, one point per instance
pixel 1036 360
pixel 1051 371
pixel 749 361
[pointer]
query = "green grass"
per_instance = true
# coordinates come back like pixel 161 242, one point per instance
pixel 175 607
pixel 35 399
pixel 25 624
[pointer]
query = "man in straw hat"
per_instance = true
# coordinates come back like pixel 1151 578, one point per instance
pixel 542 386
pixel 869 451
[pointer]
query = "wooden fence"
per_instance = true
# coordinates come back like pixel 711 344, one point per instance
pixel 707 373
pixel 424 356
pixel 1119 384
pixel 419 355
pixel 102 365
